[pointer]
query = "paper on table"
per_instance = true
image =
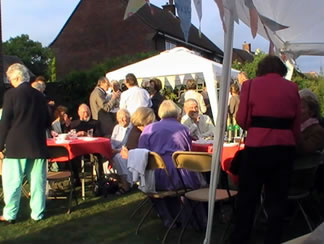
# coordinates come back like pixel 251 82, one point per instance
pixel 202 141
pixel 86 138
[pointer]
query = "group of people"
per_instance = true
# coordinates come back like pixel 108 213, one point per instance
pixel 277 117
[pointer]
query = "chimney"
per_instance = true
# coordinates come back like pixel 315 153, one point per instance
pixel 246 47
pixel 169 7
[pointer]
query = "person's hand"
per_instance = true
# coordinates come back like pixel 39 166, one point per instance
pixel 196 118
pixel 115 95
pixel 54 133
pixel 1 155
pixel 67 120
pixel 124 152
pixel 51 103
pixel 81 133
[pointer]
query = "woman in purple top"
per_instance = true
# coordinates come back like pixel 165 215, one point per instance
pixel 165 137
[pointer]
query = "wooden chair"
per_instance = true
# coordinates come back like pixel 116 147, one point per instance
pixel 156 162
pixel 61 176
pixel 198 162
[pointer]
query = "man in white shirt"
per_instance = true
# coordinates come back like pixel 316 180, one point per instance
pixel 134 97
pixel 191 92
pixel 200 125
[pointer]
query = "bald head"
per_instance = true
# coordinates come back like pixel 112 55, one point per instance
pixel 84 112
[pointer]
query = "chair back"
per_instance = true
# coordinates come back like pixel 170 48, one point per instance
pixel 303 176
pixel 192 161
pixel 155 161
pixel 57 151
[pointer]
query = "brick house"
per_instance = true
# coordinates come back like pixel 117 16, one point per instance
pixel 96 31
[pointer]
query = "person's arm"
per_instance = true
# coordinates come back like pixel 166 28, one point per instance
pixel 6 118
pixel 202 104
pixel 110 104
pixel 208 127
pixel 311 142
pixel 243 115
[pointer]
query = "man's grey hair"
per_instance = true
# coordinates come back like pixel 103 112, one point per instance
pixel 18 71
pixel 168 109
pixel 102 80
pixel 123 111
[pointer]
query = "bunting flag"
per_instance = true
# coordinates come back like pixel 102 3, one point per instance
pixel 184 12
pixel 181 77
pixel 198 6
pixel 271 24
pixel 220 6
pixel 133 6
pixel 253 17
pixel 171 80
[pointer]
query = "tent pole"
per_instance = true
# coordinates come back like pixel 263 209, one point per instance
pixel 221 118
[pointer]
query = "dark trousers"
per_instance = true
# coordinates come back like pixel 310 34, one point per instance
pixel 267 168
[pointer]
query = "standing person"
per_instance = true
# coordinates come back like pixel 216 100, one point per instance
pixel 98 98
pixel 156 97
pixel 270 112
pixel 134 97
pixel 102 106
pixel 23 127
pixel 241 78
pixel 191 92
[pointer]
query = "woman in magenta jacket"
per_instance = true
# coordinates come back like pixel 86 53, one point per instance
pixel 269 111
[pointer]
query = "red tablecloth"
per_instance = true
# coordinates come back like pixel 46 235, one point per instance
pixel 81 146
pixel 227 155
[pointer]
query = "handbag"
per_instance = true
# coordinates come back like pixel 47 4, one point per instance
pixel 239 155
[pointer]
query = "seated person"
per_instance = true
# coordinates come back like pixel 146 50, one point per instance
pixel 312 133
pixel 82 126
pixel 141 117
pixel 62 121
pixel 85 123
pixel 165 137
pixel 121 130
pixel 200 125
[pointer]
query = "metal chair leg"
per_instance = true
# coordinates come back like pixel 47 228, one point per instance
pixel 172 224
pixel 305 216
pixel 141 204
pixel 142 220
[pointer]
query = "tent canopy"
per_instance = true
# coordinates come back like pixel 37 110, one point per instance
pixel 174 62
pixel 173 65
pixel 294 27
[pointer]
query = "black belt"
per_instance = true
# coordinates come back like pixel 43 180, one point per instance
pixel 271 122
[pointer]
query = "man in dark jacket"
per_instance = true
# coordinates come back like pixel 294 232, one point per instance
pixel 23 125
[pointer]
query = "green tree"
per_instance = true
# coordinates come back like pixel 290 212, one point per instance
pixel 36 57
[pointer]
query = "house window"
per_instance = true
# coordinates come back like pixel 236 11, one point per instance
pixel 169 45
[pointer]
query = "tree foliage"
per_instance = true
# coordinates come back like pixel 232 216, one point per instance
pixel 76 87
pixel 314 83
pixel 36 57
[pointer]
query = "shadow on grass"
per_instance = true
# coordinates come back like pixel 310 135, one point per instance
pixel 96 220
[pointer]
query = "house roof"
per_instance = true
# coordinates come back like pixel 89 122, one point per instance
pixel 244 55
pixel 165 22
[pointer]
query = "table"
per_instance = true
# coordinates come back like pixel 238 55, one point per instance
pixel 227 154
pixel 82 146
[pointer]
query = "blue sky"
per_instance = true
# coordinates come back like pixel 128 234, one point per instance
pixel 43 19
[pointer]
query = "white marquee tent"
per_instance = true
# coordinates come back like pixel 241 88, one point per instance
pixel 172 66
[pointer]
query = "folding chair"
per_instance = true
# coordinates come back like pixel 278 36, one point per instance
pixel 156 162
pixel 198 162
pixel 301 186
pixel 61 176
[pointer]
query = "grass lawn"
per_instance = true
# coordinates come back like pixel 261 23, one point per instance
pixel 95 220
pixel 106 220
